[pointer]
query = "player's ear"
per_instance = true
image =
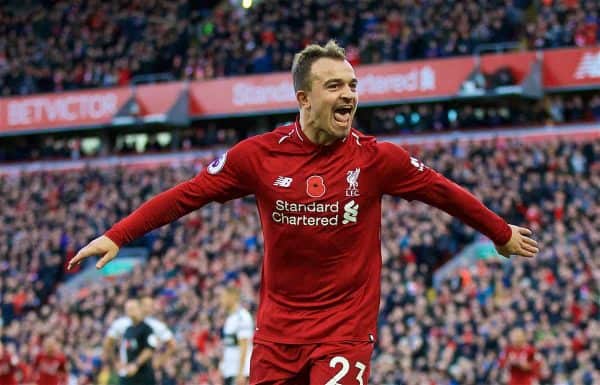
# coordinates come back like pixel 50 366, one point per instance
pixel 303 99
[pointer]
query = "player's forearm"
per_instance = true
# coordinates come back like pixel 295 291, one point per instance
pixel 158 211
pixel 171 346
pixel 243 343
pixel 144 356
pixel 109 351
pixel 458 202
pixel 168 352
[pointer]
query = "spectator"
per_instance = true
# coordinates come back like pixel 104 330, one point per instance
pixel 92 44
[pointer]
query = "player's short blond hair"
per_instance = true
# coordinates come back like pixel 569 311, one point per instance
pixel 233 291
pixel 304 60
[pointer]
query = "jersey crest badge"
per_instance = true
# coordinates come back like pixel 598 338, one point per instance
pixel 352 179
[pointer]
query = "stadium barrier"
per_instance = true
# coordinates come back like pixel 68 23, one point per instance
pixel 202 157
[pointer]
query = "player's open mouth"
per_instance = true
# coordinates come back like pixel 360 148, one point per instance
pixel 342 114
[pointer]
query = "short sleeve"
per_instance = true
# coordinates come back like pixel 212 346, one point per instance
pixel 148 339
pixel 152 341
pixel 161 330
pixel 117 328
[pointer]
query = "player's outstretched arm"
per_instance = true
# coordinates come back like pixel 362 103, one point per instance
pixel 164 208
pixel 102 246
pixel 408 177
pixel 217 182
pixel 520 243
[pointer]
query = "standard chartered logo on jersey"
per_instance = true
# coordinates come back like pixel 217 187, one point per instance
pixel 314 214
pixel 350 212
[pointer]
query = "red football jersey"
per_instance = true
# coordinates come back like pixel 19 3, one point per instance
pixel 50 369
pixel 513 357
pixel 320 209
pixel 8 369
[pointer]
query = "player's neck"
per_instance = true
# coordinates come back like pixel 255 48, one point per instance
pixel 314 133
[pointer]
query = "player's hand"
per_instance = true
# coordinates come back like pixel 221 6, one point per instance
pixel 240 380
pixel 131 369
pixel 520 244
pixel 121 369
pixel 102 246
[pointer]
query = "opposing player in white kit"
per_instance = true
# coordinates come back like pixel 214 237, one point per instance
pixel 237 339
pixel 166 339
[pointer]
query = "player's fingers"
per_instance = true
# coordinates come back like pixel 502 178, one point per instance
pixel 109 256
pixel 526 253
pixel 524 231
pixel 81 255
pixel 530 248
pixel 530 241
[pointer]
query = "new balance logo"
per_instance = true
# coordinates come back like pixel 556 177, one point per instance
pixel 350 212
pixel 282 181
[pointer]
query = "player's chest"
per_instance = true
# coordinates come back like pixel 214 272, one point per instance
pixel 316 178
pixel 49 365
pixel 132 337
pixel 230 326
pixel 317 192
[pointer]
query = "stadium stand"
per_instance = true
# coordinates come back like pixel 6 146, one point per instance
pixel 61 45
pixel 446 335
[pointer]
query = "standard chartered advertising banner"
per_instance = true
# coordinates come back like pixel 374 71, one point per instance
pixel 376 83
pixel 259 94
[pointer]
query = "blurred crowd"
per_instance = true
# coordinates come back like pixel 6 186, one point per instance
pixel 391 120
pixel 48 46
pixel 446 335
pixel 453 334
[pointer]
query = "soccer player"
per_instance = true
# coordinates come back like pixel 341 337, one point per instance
pixel 520 360
pixel 136 349
pixel 50 365
pixel 318 184
pixel 237 338
pixel 8 366
pixel 165 337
